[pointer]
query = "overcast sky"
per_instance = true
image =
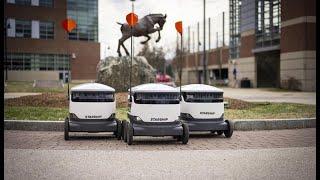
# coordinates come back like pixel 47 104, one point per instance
pixel 189 11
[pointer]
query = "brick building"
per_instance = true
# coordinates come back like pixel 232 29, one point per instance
pixel 272 43
pixel 38 48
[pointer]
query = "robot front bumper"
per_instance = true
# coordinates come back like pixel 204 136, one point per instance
pixel 141 128
pixel 216 124
pixel 93 125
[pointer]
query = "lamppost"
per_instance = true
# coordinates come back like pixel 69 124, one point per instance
pixel 204 44
pixel 7 26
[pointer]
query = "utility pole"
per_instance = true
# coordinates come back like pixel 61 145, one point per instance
pixel 204 44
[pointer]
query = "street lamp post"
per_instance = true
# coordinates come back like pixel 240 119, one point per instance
pixel 204 44
pixel 5 44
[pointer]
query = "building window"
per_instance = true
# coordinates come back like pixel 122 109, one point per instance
pixel 268 23
pixel 234 44
pixel 37 62
pixel 23 28
pixel 46 30
pixel 23 2
pixel 46 3
pixel 85 13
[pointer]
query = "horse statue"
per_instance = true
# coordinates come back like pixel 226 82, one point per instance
pixel 144 26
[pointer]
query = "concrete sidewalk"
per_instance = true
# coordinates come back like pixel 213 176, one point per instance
pixel 263 95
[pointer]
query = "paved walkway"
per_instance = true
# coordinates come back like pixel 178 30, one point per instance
pixel 263 95
pixel 276 154
pixel 16 95
pixel 239 140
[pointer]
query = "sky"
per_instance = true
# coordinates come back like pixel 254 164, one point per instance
pixel 188 11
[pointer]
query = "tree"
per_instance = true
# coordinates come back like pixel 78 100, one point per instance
pixel 155 57
pixel 169 70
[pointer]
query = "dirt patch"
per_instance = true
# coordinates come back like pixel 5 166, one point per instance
pixel 56 100
pixel 238 104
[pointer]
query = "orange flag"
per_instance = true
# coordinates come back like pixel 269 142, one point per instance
pixel 69 24
pixel 132 19
pixel 179 27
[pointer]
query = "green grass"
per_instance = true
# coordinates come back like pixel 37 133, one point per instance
pixel 28 87
pixel 258 111
pixel 122 113
pixel 273 111
pixel 34 113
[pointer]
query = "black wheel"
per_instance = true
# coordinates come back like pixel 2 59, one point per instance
pixel 129 133
pixel 125 123
pixel 66 129
pixel 213 132
pixel 228 133
pixel 185 136
pixel 219 132
pixel 119 129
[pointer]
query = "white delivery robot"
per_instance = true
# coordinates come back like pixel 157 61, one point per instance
pixel 154 111
pixel 92 108
pixel 202 108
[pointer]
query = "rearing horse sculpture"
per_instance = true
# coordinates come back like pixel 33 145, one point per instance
pixel 145 26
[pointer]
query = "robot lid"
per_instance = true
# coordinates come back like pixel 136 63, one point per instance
pixel 92 87
pixel 199 88
pixel 153 87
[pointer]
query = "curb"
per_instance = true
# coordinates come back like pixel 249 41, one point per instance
pixel 239 124
pixel 274 124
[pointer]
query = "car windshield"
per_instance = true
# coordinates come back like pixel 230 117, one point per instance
pixel 85 96
pixel 156 98
pixel 203 96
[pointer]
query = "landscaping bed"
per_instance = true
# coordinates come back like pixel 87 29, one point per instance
pixel 54 106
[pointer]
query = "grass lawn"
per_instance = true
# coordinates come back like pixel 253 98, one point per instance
pixel 34 113
pixel 54 106
pixel 257 111
pixel 28 87
pixel 272 111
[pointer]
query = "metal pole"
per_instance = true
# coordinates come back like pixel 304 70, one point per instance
pixel 204 44
pixel 181 52
pixel 198 48
pixel 192 41
pixel 6 49
pixel 131 62
pixel 223 29
pixel 131 38
pixel 209 34
pixel 188 39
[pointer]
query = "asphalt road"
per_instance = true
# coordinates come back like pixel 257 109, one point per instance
pixel 276 154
